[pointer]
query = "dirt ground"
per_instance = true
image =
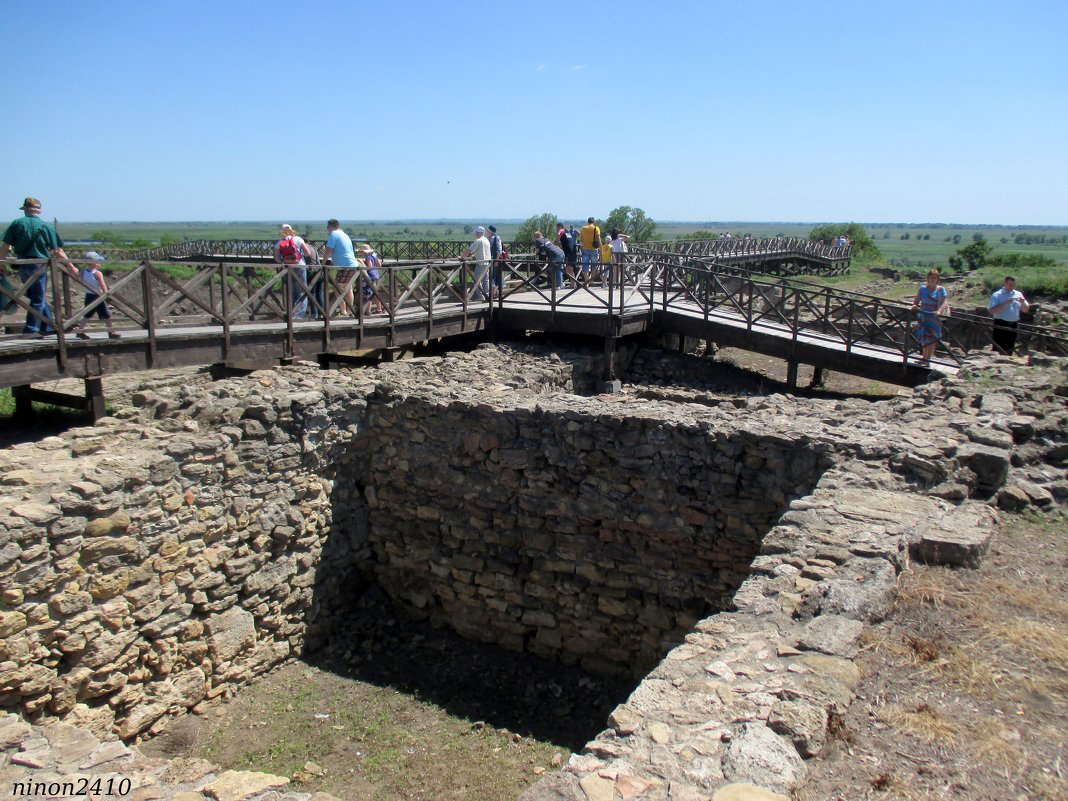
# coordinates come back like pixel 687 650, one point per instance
pixel 834 383
pixel 965 692
pixel 966 686
pixel 393 709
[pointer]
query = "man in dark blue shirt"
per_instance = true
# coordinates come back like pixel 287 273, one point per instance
pixel 555 256
pixel 569 245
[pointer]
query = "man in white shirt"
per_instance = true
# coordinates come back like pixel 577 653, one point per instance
pixel 1006 305
pixel 479 250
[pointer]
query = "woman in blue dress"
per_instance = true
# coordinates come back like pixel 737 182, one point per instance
pixel 932 301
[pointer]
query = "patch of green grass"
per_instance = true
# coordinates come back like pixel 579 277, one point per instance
pixel 45 415
pixel 1043 280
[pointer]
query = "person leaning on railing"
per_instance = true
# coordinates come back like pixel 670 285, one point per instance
pixel 32 238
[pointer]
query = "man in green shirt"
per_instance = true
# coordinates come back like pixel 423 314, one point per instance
pixel 32 238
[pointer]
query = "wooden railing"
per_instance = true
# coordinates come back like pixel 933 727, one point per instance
pixel 425 250
pixel 263 250
pixel 750 246
pixel 835 316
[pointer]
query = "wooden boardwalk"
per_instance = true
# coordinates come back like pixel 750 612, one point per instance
pixel 226 313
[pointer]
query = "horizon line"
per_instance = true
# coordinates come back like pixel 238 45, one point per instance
pixel 520 220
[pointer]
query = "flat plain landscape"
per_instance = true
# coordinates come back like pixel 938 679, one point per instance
pixel 902 244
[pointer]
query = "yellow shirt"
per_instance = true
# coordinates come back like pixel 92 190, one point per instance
pixel 606 251
pixel 588 235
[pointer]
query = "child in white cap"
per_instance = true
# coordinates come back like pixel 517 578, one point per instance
pixel 95 286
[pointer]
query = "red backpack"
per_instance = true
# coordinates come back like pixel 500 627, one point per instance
pixel 289 251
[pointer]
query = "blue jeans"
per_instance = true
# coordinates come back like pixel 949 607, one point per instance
pixel 317 277
pixel 558 273
pixel 296 293
pixel 589 258
pixel 36 294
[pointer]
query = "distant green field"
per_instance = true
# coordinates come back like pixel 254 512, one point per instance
pixel 925 245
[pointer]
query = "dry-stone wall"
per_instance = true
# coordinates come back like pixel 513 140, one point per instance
pixel 157 561
pixel 569 529
pixel 153 564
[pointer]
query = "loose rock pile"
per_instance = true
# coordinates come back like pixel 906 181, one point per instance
pixel 63 761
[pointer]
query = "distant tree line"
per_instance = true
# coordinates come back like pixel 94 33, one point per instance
pixel 628 219
pixel 980 254
pixel 863 245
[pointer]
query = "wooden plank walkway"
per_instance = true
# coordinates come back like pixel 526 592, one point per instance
pixel 224 315
pixel 585 312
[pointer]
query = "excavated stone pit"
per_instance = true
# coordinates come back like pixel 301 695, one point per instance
pixel 157 562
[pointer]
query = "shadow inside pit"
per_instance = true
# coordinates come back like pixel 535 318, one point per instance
pixel 521 693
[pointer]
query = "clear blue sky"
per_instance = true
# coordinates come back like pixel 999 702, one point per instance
pixel 940 111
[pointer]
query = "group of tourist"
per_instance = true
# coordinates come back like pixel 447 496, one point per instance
pixel 932 304
pixel 307 273
pixel 599 254
pixel 486 252
pixel 602 256
pixel 30 238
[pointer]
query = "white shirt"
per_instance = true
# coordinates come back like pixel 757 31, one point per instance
pixel 480 249
pixel 1011 313
pixel 89 276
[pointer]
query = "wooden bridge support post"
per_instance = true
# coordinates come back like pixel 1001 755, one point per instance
pixel 23 401
pixel 92 403
pixel 791 373
pixel 94 398
pixel 818 378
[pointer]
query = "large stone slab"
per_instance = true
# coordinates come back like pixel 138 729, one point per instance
pixel 959 539
pixel 759 756
pixel 832 634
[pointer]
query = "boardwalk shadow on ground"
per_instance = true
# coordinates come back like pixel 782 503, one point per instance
pixel 537 698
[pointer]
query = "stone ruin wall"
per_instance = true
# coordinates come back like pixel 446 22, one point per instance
pixel 149 566
pixel 586 535
pixel 156 563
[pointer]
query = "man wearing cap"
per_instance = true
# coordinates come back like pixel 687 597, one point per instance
pixel 32 238
pixel 479 250
pixel 373 262
pixel 496 249
pixel 291 249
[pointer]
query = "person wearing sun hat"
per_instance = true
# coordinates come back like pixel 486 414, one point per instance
pixel 370 283
pixel 32 238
